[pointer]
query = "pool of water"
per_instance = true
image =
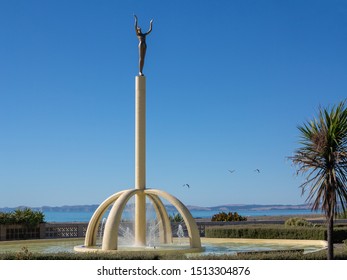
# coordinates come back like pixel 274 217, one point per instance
pixel 211 245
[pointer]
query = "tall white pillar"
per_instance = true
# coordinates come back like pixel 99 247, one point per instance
pixel 140 132
pixel 140 160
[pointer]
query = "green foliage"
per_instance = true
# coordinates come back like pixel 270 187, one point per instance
pixel 322 158
pixel 341 254
pixel 176 218
pixel 24 216
pixel 230 217
pixel 298 222
pixel 275 232
pixel 25 254
pixel 5 218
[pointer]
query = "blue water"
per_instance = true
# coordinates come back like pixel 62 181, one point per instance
pixel 85 216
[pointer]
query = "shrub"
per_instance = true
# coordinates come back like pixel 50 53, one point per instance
pixel 25 254
pixel 298 222
pixel 176 218
pixel 5 218
pixel 275 232
pixel 24 216
pixel 230 217
pixel 340 234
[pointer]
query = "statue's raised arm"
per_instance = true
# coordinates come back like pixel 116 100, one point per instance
pixel 142 43
pixel 150 27
pixel 135 23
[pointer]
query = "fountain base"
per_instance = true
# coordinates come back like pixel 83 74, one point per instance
pixel 118 202
pixel 179 246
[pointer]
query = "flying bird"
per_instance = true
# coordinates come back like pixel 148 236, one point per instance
pixel 257 170
pixel 231 171
pixel 186 185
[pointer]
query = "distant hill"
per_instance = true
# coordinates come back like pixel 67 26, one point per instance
pixel 171 208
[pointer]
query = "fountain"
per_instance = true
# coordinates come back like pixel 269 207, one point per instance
pixel 101 229
pixel 180 233
pixel 119 200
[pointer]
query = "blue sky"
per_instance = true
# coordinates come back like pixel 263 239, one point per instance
pixel 228 82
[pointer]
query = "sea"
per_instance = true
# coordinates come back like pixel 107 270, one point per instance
pixel 62 217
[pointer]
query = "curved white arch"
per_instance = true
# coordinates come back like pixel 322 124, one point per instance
pixel 110 239
pixel 194 236
pixel 92 230
pixel 120 199
pixel 165 225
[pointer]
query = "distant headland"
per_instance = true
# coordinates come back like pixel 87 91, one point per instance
pixel 170 208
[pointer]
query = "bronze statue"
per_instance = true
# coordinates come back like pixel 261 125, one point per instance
pixel 142 43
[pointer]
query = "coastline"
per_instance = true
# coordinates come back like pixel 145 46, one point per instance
pixel 84 216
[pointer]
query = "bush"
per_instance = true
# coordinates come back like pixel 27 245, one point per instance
pixel 275 232
pixel 339 235
pixel 24 216
pixel 25 254
pixel 176 218
pixel 298 222
pixel 275 255
pixel 230 217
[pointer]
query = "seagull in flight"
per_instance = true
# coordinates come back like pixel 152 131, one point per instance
pixel 186 185
pixel 257 170
pixel 231 171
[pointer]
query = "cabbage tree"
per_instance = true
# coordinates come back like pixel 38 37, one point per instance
pixel 322 158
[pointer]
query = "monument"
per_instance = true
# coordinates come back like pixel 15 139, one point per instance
pixel 118 201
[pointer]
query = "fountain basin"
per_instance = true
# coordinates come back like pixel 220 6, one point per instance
pixel 179 245
pixel 210 246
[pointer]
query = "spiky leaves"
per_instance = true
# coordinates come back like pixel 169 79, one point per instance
pixel 322 157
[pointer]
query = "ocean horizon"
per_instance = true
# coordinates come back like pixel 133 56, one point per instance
pixel 84 216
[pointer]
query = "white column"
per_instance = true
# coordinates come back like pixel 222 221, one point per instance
pixel 140 160
pixel 140 132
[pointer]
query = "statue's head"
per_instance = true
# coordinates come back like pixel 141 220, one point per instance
pixel 138 30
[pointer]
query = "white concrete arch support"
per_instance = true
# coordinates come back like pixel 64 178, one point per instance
pixel 110 239
pixel 92 230
pixel 119 201
pixel 193 232
pixel 164 225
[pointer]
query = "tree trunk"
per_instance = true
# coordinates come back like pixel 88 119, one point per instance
pixel 330 222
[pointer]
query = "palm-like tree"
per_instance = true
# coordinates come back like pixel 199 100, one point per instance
pixel 322 157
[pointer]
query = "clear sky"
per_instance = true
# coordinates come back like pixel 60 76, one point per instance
pixel 228 82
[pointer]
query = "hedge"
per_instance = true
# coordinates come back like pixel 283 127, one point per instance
pixel 275 232
pixel 340 254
